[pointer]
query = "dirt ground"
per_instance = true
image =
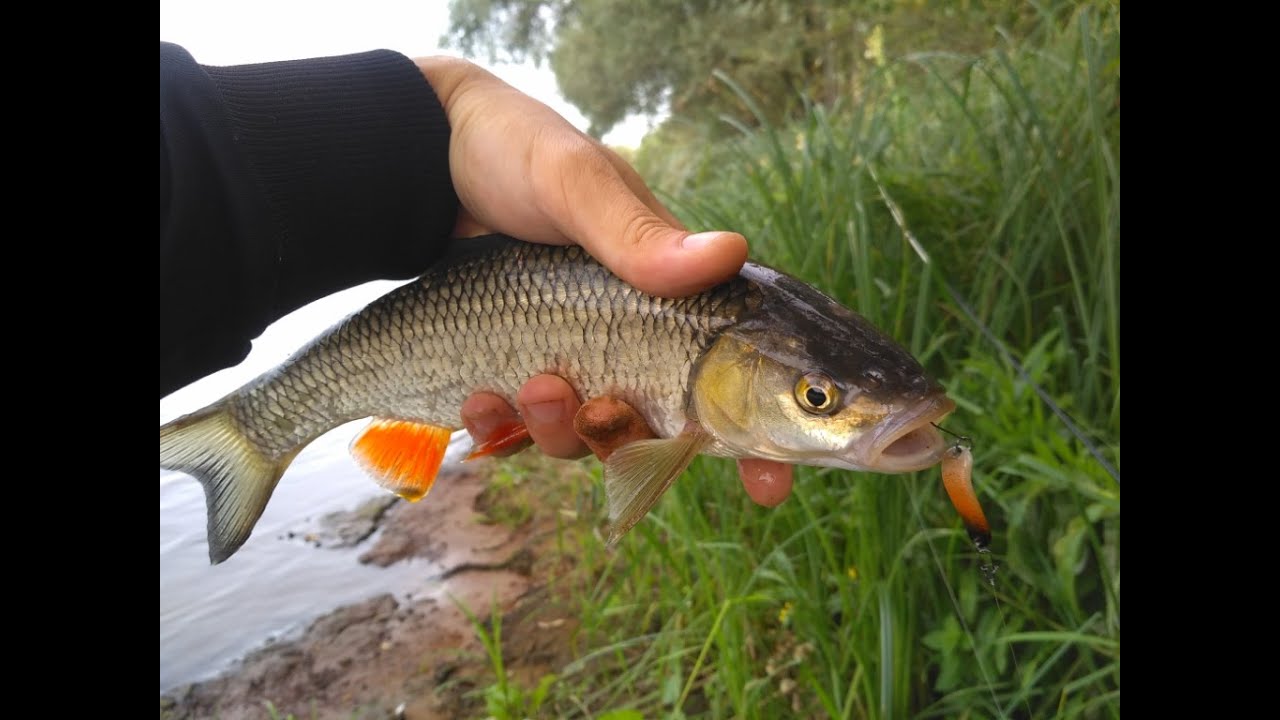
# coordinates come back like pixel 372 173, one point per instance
pixel 418 659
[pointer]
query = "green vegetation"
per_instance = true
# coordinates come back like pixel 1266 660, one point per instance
pixel 969 204
pixel 505 699
pixel 615 57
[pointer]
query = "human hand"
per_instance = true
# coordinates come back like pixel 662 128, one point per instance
pixel 521 169
pixel 563 428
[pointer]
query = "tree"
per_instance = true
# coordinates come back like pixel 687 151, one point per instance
pixel 612 58
pixel 616 57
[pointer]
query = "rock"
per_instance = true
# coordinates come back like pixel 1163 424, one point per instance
pixel 348 528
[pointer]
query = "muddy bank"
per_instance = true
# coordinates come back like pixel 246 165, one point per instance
pixel 415 658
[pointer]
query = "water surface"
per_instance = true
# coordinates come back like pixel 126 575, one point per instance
pixel 273 586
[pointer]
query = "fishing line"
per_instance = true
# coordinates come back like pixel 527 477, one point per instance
pixel 988 567
pixel 963 441
pixel 988 570
pixel 955 603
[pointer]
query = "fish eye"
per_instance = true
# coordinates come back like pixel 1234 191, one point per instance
pixel 817 394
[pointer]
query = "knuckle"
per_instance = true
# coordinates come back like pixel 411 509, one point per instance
pixel 640 226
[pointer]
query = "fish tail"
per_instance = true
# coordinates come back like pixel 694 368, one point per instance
pixel 237 477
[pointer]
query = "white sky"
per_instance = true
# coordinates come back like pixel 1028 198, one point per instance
pixel 231 32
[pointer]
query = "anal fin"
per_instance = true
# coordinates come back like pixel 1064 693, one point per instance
pixel 403 457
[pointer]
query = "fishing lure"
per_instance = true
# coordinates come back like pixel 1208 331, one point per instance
pixel 957 478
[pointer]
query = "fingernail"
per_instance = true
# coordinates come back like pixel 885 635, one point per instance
pixel 697 241
pixel 547 413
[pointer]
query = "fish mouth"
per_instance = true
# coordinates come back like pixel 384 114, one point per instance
pixel 909 441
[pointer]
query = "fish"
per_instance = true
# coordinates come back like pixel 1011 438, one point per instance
pixel 762 365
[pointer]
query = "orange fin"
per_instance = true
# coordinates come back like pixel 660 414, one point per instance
pixel 505 438
pixel 402 456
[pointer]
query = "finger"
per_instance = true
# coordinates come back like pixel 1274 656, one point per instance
pixel 607 424
pixel 486 416
pixel 548 405
pixel 624 234
pixel 767 482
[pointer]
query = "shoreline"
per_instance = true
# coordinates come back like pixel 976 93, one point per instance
pixel 416 657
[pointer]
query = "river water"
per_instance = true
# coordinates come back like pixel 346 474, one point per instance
pixel 274 585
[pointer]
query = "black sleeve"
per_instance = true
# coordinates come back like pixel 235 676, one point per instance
pixel 284 182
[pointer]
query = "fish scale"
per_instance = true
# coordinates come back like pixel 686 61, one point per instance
pixel 417 353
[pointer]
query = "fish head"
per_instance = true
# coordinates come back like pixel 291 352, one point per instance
pixel 802 379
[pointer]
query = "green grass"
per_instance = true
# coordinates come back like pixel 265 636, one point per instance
pixel 861 597
pixel 505 699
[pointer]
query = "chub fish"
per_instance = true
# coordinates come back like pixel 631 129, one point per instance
pixel 761 366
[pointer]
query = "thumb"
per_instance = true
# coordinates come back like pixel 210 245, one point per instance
pixel 647 250
pixel 661 260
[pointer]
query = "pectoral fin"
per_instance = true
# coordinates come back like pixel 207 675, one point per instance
pixel 402 456
pixel 505 438
pixel 637 475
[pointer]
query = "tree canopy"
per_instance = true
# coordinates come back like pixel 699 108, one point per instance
pixel 613 58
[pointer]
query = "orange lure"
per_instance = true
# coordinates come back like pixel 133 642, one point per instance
pixel 957 478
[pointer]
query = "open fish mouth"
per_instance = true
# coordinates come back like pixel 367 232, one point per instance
pixel 909 441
